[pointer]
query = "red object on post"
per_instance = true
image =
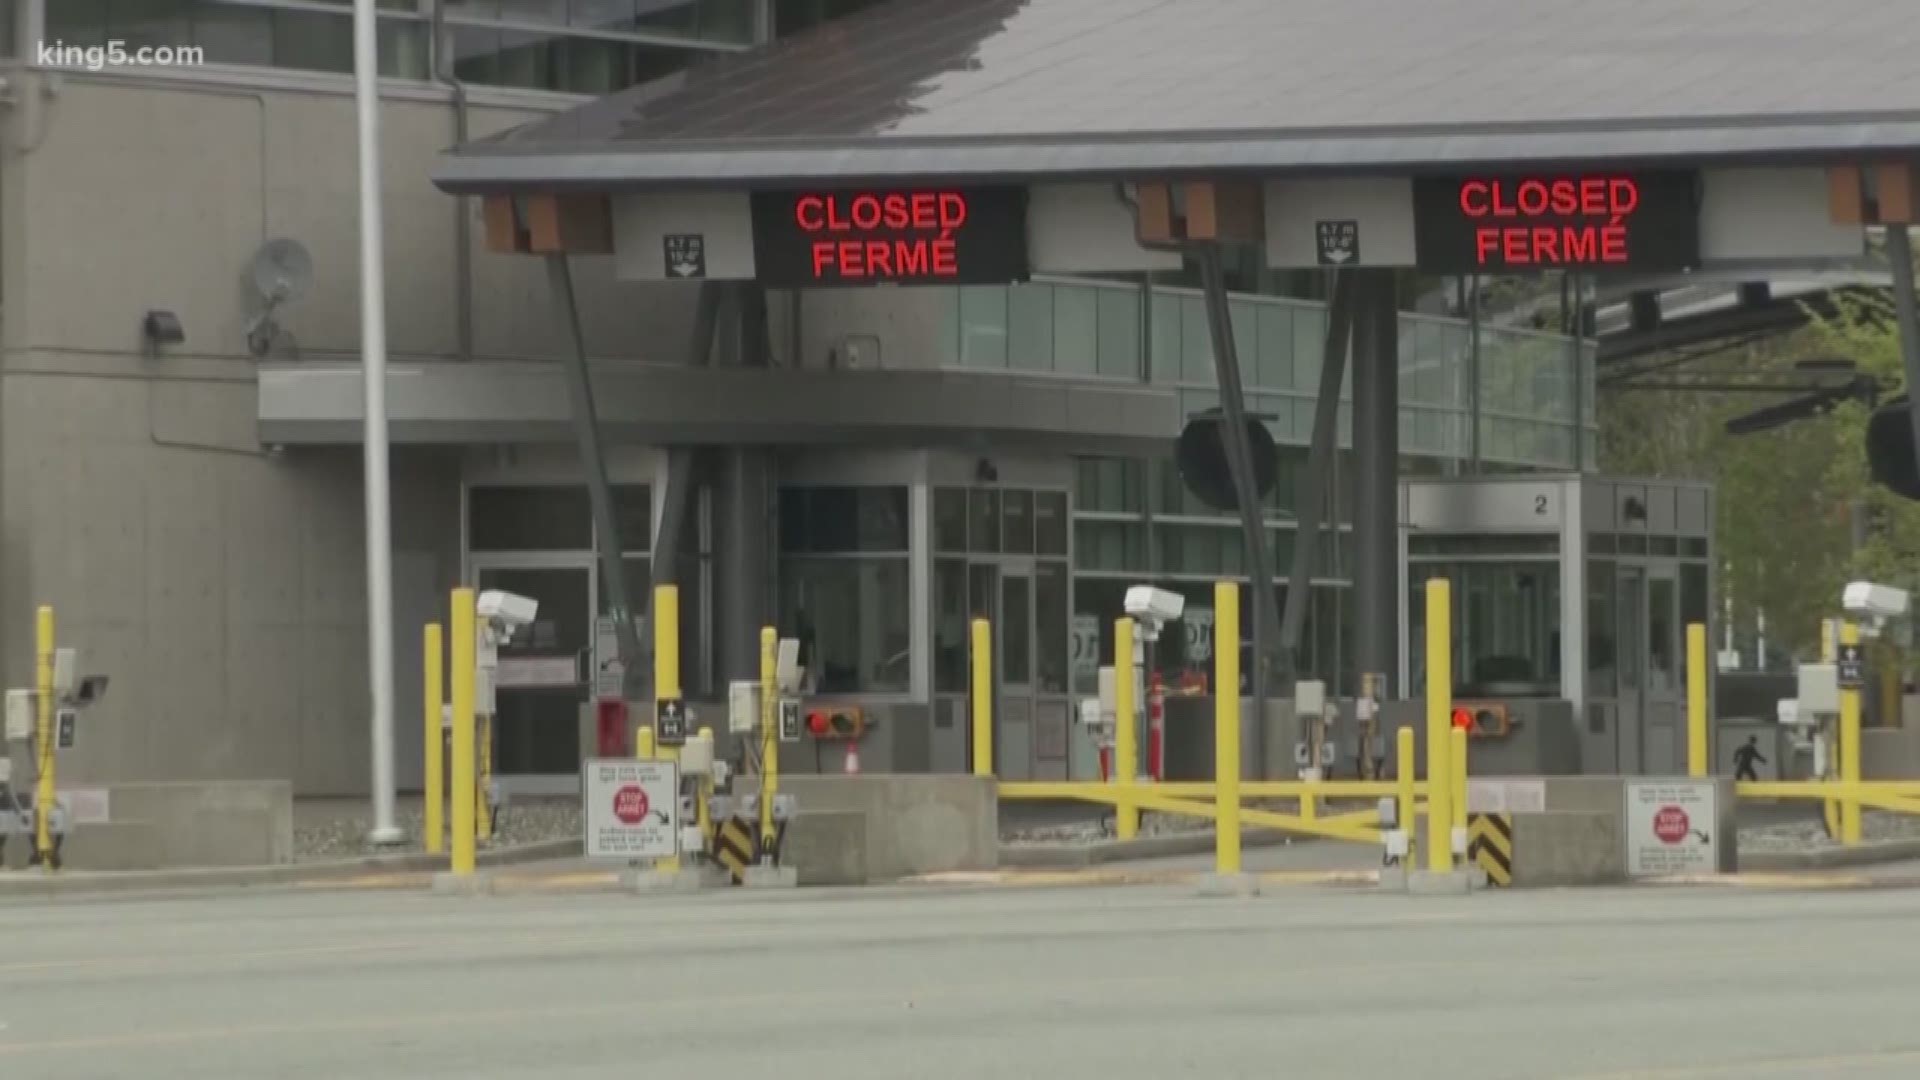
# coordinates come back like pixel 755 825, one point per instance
pixel 1106 763
pixel 610 727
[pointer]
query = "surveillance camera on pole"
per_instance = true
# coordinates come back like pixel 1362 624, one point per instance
pixel 1153 609
pixel 1874 605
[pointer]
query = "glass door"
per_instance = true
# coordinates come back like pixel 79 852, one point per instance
pixel 1014 719
pixel 1631 642
pixel 537 728
pixel 1663 752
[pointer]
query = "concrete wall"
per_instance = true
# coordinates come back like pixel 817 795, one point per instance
pixel 222 585
pixel 1564 849
pixel 915 824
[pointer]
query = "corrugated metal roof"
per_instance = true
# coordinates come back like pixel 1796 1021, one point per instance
pixel 1098 87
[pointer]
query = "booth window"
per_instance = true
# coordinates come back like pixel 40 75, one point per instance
pixel 844 586
pixel 529 517
pixel 1600 631
pixel 952 626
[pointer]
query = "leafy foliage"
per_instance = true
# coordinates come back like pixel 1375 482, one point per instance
pixel 1797 514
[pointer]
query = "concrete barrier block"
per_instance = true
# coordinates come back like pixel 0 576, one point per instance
pixel 1564 848
pixel 827 847
pixel 916 824
pixel 212 822
pixel 112 845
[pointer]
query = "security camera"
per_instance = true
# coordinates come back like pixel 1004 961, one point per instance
pixel 506 611
pixel 1153 605
pixel 1866 600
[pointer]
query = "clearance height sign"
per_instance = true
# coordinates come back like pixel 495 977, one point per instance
pixel 890 236
pixel 1591 221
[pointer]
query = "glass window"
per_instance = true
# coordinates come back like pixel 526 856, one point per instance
pixel 1196 343
pixel 833 519
pixel 1600 630
pixel 1075 329
pixel 1109 485
pixel 1166 338
pixel 793 520
pixel 729 21
pixel 1662 646
pixel 1016 629
pixel 983 534
pixel 793 16
pixel 1030 327
pixel 1110 545
pixel 1119 333
pixel 1050 522
pixel 851 617
pixel 1050 626
pixel 882 516
pixel 312 41
pixel 951 630
pixel 1016 522
pixel 1103 600
pixel 234 35
pixel 1274 370
pixel 633 517
pixel 529 518
pixel 983 326
pixel 950 519
pixel 1309 346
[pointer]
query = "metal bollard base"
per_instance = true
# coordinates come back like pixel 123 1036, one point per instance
pixel 770 877
pixel 448 883
pixel 1228 885
pixel 1432 883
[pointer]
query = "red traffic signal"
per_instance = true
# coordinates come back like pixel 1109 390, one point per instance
pixel 1463 719
pixel 836 722
pixel 818 725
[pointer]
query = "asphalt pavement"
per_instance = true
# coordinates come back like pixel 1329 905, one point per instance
pixel 1067 983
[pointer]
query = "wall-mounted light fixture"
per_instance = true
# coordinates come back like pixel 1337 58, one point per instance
pixel 161 328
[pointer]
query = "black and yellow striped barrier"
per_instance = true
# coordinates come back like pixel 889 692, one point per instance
pixel 1490 846
pixel 734 848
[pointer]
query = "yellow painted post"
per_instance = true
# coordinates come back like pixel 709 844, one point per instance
pixel 461 627
pixel 1829 652
pixel 666 674
pixel 643 744
pixel 433 825
pixel 1697 762
pixel 703 789
pixel 44 749
pixel 1403 779
pixel 769 731
pixel 1850 747
pixel 1126 747
pixel 1439 708
pixel 982 698
pixel 1226 727
pixel 1457 753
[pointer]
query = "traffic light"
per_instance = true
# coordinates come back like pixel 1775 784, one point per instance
pixel 1482 719
pixel 836 722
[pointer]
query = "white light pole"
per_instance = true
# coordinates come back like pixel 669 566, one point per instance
pixel 373 357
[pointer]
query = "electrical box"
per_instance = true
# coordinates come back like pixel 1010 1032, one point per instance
pixel 1819 689
pixel 19 715
pixel 66 670
pixel 1787 710
pixel 743 706
pixel 1309 697
pixel 696 757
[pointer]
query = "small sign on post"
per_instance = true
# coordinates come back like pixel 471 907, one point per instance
pixel 789 719
pixel 1337 243
pixel 1672 828
pixel 685 254
pixel 632 809
pixel 1850 670
pixel 670 722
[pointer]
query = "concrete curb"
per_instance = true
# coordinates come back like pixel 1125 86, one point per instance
pixel 27 884
pixel 1884 851
pixel 1053 855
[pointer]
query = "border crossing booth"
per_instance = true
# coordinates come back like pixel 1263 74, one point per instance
pixel 1571 599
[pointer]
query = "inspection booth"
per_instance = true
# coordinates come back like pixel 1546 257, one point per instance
pixel 1571 597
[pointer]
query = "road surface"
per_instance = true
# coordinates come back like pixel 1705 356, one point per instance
pixel 929 984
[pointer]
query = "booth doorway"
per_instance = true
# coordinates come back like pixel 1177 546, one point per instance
pixel 536 730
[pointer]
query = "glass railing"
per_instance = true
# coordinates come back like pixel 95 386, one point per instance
pixel 1093 329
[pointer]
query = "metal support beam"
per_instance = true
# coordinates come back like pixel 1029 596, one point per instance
pixel 1226 363
pixel 1312 506
pixel 1900 260
pixel 1376 444
pixel 682 475
pixel 586 427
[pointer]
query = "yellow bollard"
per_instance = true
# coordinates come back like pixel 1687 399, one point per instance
pixel 462 629
pixel 45 750
pixel 666 675
pixel 643 744
pixel 1126 746
pixel 1457 754
pixel 1698 765
pixel 982 660
pixel 1226 727
pixel 1404 755
pixel 433 825
pixel 769 732
pixel 1439 708
pixel 1850 747
pixel 1829 652
pixel 703 789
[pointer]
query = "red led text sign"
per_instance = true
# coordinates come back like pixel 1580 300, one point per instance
pixel 1548 221
pixel 897 236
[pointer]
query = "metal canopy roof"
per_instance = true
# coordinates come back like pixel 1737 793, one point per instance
pixel 1037 88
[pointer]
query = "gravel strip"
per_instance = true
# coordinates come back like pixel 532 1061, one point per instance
pixel 1875 825
pixel 526 822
